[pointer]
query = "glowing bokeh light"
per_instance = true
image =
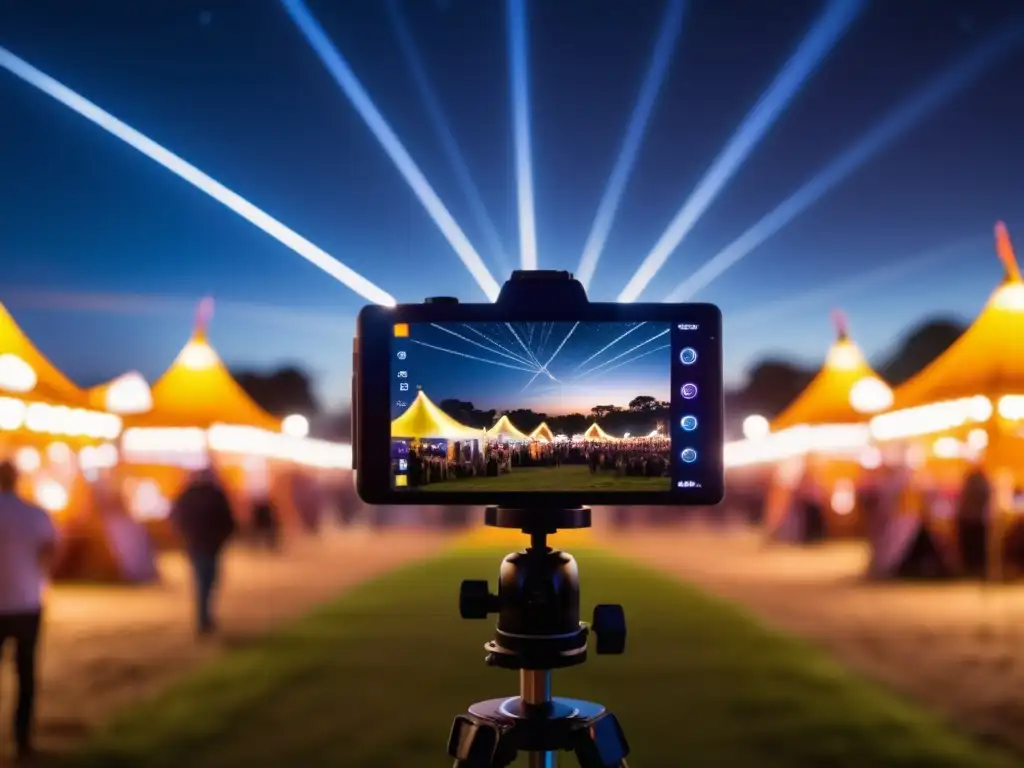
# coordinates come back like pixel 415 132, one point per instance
pixel 194 176
pixel 342 73
pixel 936 93
pixel 664 47
pixel 805 61
pixel 519 82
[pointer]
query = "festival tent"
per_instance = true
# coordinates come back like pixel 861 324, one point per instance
pixel 424 420
pixel 45 422
pixel 595 433
pixel 505 431
pixel 200 415
pixel 819 445
pixel 543 432
pixel 967 409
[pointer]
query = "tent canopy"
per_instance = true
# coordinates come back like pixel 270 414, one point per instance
pixel 199 391
pixel 424 420
pixel 25 371
pixel 983 360
pixel 594 432
pixel 827 399
pixel 504 429
pixel 543 432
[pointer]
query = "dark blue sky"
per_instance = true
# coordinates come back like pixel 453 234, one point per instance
pixel 448 366
pixel 93 231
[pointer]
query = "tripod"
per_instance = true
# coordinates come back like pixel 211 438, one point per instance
pixel 539 630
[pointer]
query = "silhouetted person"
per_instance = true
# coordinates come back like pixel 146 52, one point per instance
pixel 264 523
pixel 972 521
pixel 28 540
pixel 202 514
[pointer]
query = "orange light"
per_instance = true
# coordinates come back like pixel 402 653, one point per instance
pixel 401 330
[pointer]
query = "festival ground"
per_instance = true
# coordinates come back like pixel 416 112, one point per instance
pixel 104 648
pixel 569 477
pixel 958 648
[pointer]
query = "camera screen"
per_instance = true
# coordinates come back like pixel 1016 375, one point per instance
pixel 555 406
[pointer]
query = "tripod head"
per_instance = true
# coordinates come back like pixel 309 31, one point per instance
pixel 538 599
pixel 538 630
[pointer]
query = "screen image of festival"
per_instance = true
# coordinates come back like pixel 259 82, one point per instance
pixel 531 406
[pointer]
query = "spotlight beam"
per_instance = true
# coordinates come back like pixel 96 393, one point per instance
pixel 610 344
pixel 812 50
pixel 842 289
pixel 478 344
pixel 519 77
pixel 429 97
pixel 936 93
pixel 176 165
pixel 637 357
pixel 346 79
pixel 482 335
pixel 621 355
pixel 559 349
pixel 527 385
pixel 526 348
pixel 664 47
pixel 473 357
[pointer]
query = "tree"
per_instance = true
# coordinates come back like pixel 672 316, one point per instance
pixel 643 403
pixel 281 392
pixel 601 411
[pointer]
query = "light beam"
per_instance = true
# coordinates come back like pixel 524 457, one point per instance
pixel 843 289
pixel 526 348
pixel 621 355
pixel 478 344
pixel 69 98
pixel 429 97
pixel 933 95
pixel 637 357
pixel 664 47
pixel 483 335
pixel 519 77
pixel 610 344
pixel 559 349
pixel 346 79
pixel 473 357
pixel 814 47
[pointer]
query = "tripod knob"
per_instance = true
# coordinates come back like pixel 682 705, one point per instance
pixel 609 625
pixel 476 600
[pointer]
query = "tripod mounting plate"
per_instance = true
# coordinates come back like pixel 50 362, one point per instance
pixel 537 520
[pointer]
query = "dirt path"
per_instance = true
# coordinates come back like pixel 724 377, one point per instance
pixel 957 648
pixel 105 647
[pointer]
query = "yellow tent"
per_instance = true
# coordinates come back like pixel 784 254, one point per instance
pixel 975 389
pixel 127 394
pixel 199 391
pixel 25 371
pixel 543 432
pixel 845 391
pixel 504 429
pixel 594 432
pixel 424 420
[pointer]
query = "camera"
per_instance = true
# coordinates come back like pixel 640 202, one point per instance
pixel 541 399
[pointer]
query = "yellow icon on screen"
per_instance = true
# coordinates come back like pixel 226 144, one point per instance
pixel 401 481
pixel 401 330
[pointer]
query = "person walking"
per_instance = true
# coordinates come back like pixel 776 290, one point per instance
pixel 28 541
pixel 203 518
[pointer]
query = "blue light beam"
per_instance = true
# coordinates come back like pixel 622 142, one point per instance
pixel 478 344
pixel 664 48
pixel 842 290
pixel 819 41
pixel 559 348
pixel 69 98
pixel 484 336
pixel 360 99
pixel 473 357
pixel 431 102
pixel 610 344
pixel 621 355
pixel 964 72
pixel 519 77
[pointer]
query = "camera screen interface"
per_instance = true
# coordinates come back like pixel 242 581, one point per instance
pixel 555 406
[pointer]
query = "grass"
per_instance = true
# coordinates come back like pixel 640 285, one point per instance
pixel 374 680
pixel 568 477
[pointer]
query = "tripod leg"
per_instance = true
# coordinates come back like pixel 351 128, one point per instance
pixel 601 744
pixel 476 743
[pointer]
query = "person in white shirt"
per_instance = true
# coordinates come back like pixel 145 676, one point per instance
pixel 28 541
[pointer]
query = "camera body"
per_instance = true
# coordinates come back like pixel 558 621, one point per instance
pixel 446 398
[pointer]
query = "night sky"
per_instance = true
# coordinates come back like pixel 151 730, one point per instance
pixel 105 252
pixel 585 373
